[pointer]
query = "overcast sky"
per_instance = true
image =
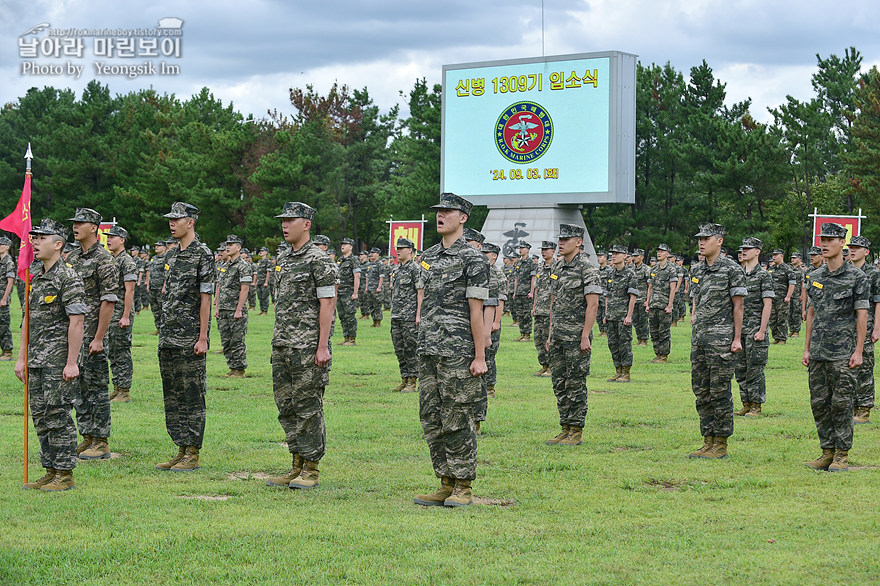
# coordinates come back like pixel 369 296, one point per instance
pixel 251 52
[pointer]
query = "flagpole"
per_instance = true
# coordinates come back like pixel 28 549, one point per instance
pixel 26 331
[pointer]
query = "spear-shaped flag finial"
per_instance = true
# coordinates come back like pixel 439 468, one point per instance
pixel 29 155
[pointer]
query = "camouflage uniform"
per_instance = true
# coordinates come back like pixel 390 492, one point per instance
pixel 523 272
pixel 362 301
pixel 679 306
pixel 373 299
pixel 189 275
pixel 55 295
pixel 835 297
pixel 348 266
pixel 783 276
pixel 404 331
pixel 865 386
pixel 749 365
pixel 497 288
pixel 386 289
pixel 305 277
pixel 794 310
pixel 448 393
pixel 571 283
pixel 157 278
pixel 137 302
pixel 620 286
pixel 263 268
pixel 604 275
pixel 252 290
pixel 100 279
pixel 7 271
pixel 233 331
pixel 661 322
pixel 640 317
pixel 712 362
pixel 508 272
pixel 542 312
pixel 119 349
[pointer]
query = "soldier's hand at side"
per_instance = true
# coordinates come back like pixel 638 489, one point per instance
pixel 627 321
pixel 647 309
pixel 354 296
pixel 201 347
pixel 736 346
pixel 875 335
pixel 4 302
pixel 216 314
pixel 19 369
pixel 124 322
pixel 70 372
pixel 855 360
pixel 96 346
pixel 586 345
pixel 322 357
pixel 237 314
pixel 806 359
pixel 530 295
pixel 760 335
pixel 547 345
pixel 604 321
pixel 478 367
pixel 496 325
pixel 668 309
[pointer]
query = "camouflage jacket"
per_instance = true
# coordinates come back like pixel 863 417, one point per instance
pixel 620 286
pixel 302 278
pixel 523 271
pixel 660 277
pixel 127 269
pixel 230 279
pixel 759 286
pixel 497 287
pixel 375 271
pixel 450 277
pixel 873 274
pixel 542 290
pixel 263 268
pixel 783 276
pixel 404 279
pixel 643 273
pixel 604 275
pixel 571 283
pixel 348 266
pixel 188 274
pixel 7 271
pixel 714 287
pixel 835 297
pixel 100 283
pixel 55 295
pixel 156 267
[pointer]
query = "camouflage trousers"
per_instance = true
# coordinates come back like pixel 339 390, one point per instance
pixel 640 320
pixel 511 307
pixel 372 305
pixel 620 342
pixel 779 319
pixel 490 378
pixel 184 383
pixel 362 302
pixel 600 315
pixel 405 338
pixel 92 402
pixel 252 297
pixel 661 331
pixel 298 385
pixel 523 306
pixel 865 378
pixel 749 369
pixel 711 372
pixel 569 368
pixel 346 307
pixel 542 332
pixel 263 297
pixel 679 306
pixel 794 315
pixel 448 398
pixel 832 394
pixel 138 301
pixel 50 401
pixel 386 297
pixel 232 337
pixel 5 328
pixel 156 306
pixel 119 351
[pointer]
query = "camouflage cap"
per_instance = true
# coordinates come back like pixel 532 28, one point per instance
pixel 471 234
pixel 68 247
pixel 296 209
pixel 796 255
pixel 49 227
pixel 405 243
pixel 450 201
pixel 233 239
pixel 349 241
pixel 524 244
pixel 778 251
pixel 86 215
pixel 160 243
pixel 375 250
pixel 321 239
pixel 171 241
pixel 639 252
pixel 601 252
pixel 245 251
pixel 664 247
pixel 181 209
pixel 618 249
pixel 570 231
pixel 264 249
pixel 859 241
pixel 490 247
pixel 121 232
pixel 135 248
pixel 4 241
pixel 547 244
pixel 364 253
pixel 710 230
pixel 751 242
pixel 832 230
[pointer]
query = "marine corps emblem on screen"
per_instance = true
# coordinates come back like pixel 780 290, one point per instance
pixel 523 132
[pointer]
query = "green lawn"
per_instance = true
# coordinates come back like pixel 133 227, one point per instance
pixel 627 506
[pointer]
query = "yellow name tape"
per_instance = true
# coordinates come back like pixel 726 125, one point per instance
pixel 425 266
pixel 49 298
pixel 554 277
pixel 818 285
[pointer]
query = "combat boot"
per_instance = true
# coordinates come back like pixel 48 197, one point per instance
pixel 823 461
pixel 290 476
pixel 120 395
pixel 614 378
pixel 235 373
pixel 574 437
pixel 840 462
pixel 708 440
pixel 181 452
pixel 526 337
pixel 97 450
pixel 37 484
pixel 84 444
pixel 156 333
pixel 863 416
pixel 642 342
pixel 542 371
pixel 718 450
pixel 624 374
pixel 436 498
pixel 745 409
pixel 6 355
pixel 754 410
pixel 376 323
pixel 477 428
pixel 664 359
pixel 114 394
pixel 308 476
pixel 189 462
pixel 490 391
pixel 655 360
pixel 401 386
pixel 461 495
pixel 560 437
pixel 410 385
pixel 63 480
pixel 352 341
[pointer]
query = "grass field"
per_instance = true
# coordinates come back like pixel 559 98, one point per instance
pixel 627 506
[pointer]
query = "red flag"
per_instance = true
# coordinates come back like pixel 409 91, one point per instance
pixel 19 222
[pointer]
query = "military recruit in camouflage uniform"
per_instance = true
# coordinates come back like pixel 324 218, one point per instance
pixel 541 306
pixel 404 302
pixel 640 318
pixel 784 281
pixel 57 307
pixel 96 268
pixel 301 353
pixel 718 286
pixel 661 300
pixel 620 305
pixel 350 281
pixel 155 279
pixel 7 281
pixel 795 315
pixel 122 322
pixel 493 307
pixel 839 298
pixel 859 247
pixel 455 283
pixel 604 275
pixel 233 283
pixel 574 300
pixel 524 273
pixel 261 280
pixel 475 239
pixel 375 274
pixel 184 338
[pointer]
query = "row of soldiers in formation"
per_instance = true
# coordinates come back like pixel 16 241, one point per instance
pixel 446 336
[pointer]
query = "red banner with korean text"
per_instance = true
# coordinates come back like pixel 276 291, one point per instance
pixel 410 230
pixel 19 223
pixel 853 225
